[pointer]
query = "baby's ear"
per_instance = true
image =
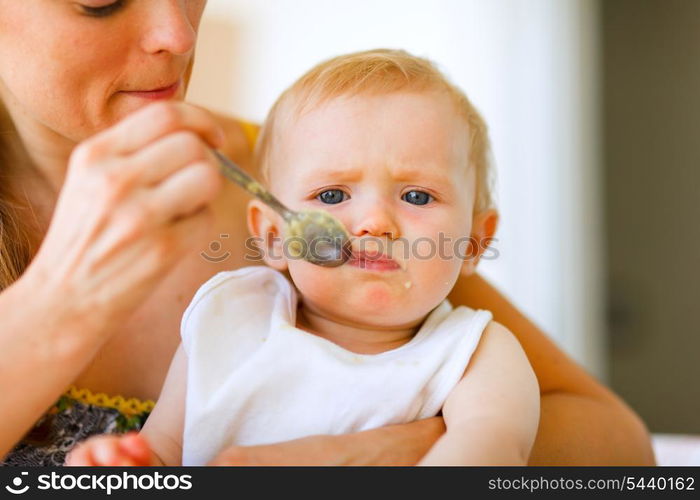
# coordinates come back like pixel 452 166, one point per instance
pixel 267 230
pixel 484 227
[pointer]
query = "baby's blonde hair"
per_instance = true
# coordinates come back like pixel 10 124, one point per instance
pixel 379 71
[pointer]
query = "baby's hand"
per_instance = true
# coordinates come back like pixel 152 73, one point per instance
pixel 131 449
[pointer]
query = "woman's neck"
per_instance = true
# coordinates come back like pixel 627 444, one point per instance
pixel 37 166
pixel 44 153
pixel 355 337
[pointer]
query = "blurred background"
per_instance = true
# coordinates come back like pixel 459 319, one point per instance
pixel 594 115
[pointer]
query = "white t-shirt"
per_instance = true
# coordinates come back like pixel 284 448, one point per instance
pixel 254 378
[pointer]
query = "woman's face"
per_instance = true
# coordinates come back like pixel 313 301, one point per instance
pixel 78 66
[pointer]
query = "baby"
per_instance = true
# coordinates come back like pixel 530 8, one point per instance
pixel 382 141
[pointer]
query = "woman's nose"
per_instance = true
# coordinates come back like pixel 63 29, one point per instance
pixel 169 28
pixel 375 220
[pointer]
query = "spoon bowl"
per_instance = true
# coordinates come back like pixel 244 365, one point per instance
pixel 318 237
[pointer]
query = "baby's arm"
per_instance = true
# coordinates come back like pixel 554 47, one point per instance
pixel 492 414
pixel 160 440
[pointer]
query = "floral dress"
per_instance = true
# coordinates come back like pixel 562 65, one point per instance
pixel 77 415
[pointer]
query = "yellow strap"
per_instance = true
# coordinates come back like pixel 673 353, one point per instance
pixel 129 407
pixel 251 132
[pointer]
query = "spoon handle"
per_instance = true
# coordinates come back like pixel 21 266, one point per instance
pixel 235 173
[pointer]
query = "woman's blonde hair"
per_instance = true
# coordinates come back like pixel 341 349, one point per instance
pixel 379 71
pixel 15 247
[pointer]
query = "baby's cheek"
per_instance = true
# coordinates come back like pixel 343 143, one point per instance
pixel 314 281
pixel 434 277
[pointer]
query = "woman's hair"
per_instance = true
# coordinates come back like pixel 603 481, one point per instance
pixel 15 247
pixel 376 72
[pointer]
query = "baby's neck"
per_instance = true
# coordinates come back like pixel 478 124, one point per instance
pixel 355 337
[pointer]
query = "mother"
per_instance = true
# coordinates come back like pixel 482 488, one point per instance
pixel 105 206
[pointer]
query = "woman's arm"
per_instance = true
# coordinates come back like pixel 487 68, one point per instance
pixel 581 422
pixel 39 355
pixel 134 198
pixel 403 444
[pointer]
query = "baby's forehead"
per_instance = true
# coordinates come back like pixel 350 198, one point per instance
pixel 311 172
pixel 412 131
pixel 421 128
pixel 431 102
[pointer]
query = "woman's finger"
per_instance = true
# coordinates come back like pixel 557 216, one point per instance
pixel 183 193
pixel 153 122
pixel 167 155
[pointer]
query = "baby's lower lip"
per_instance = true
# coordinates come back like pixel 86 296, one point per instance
pixel 374 265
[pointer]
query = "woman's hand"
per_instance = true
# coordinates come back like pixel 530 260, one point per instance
pixel 312 450
pixel 402 444
pixel 134 201
pixel 112 451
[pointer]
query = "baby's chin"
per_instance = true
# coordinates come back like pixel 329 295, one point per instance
pixel 374 305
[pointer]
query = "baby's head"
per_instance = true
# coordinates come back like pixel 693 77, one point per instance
pixel 385 143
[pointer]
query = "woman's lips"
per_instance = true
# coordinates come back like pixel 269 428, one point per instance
pixel 156 94
pixel 373 262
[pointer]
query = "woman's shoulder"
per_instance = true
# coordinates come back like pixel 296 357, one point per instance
pixel 240 137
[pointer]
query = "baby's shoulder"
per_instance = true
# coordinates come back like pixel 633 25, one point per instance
pixel 231 317
pixel 249 279
pixel 462 317
pixel 229 291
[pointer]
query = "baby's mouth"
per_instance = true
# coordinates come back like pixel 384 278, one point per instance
pixel 373 261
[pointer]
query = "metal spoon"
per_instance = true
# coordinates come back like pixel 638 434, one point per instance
pixel 315 235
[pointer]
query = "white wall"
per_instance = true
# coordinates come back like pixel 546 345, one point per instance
pixel 529 65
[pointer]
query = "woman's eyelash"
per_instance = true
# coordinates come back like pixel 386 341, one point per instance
pixel 103 11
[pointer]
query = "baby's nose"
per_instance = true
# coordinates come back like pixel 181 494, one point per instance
pixel 375 220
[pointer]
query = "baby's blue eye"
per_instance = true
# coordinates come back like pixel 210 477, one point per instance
pixel 331 196
pixel 417 197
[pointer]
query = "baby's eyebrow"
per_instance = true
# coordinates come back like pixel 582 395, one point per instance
pixel 320 175
pixel 428 174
